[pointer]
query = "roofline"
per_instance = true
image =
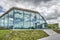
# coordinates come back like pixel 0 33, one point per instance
pixel 29 10
pixel 18 9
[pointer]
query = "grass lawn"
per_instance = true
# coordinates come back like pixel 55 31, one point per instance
pixel 53 26
pixel 58 31
pixel 23 34
pixel 3 33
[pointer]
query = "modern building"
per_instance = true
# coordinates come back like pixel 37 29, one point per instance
pixel 18 18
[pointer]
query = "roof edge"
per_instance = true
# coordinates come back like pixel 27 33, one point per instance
pixel 25 9
pixel 19 9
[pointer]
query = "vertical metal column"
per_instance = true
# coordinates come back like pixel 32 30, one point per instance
pixel 13 18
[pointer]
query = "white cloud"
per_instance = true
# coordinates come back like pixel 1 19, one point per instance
pixel 52 21
pixel 1 13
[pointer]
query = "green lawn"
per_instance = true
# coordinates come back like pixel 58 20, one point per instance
pixel 3 33
pixel 53 26
pixel 58 31
pixel 23 34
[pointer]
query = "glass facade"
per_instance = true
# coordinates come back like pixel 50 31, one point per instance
pixel 20 19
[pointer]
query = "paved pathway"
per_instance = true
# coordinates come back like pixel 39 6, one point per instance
pixel 49 31
pixel 53 35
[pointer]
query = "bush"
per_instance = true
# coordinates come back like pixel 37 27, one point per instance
pixel 53 26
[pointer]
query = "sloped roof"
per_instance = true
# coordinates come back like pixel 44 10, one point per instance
pixel 18 9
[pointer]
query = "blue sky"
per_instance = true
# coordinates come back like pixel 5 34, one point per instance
pixel 49 9
pixel 1 9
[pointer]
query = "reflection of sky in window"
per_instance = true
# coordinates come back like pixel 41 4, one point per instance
pixel 28 18
pixel 7 19
pixel 5 22
pixel 17 15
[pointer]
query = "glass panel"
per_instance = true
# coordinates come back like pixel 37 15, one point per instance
pixel 33 20
pixel 2 22
pixel 18 19
pixel 6 20
pixel 37 21
pixel 42 22
pixel 11 20
pixel 27 18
